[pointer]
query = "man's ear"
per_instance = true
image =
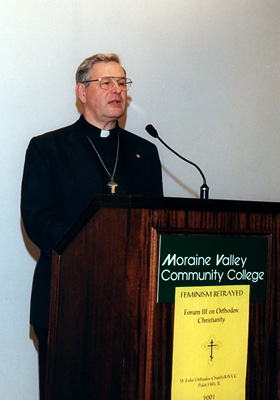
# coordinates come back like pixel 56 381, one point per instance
pixel 81 92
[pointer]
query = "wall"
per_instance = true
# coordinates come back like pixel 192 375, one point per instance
pixel 205 74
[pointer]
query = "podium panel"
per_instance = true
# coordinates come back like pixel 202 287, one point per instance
pixel 108 337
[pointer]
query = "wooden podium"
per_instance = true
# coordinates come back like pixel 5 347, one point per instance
pixel 109 339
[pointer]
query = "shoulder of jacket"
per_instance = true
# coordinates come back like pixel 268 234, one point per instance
pixel 56 137
pixel 135 139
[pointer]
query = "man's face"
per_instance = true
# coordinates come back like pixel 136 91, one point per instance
pixel 103 108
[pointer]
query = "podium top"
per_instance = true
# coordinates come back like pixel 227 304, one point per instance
pixel 163 203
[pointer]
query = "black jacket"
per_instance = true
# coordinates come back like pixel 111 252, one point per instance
pixel 61 177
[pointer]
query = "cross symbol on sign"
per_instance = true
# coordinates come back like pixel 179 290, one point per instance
pixel 210 346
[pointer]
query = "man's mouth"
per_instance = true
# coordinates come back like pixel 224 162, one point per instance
pixel 115 101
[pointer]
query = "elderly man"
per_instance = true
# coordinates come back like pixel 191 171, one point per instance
pixel 66 168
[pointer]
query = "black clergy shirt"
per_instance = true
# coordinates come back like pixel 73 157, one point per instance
pixel 107 149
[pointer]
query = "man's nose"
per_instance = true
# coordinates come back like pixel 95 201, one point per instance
pixel 116 87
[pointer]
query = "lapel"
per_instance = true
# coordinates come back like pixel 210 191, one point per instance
pixel 83 163
pixel 134 163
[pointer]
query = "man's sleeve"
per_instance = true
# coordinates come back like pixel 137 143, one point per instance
pixel 40 219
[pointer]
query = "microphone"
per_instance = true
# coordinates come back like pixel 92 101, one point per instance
pixel 204 189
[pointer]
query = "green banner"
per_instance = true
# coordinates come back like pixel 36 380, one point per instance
pixel 212 261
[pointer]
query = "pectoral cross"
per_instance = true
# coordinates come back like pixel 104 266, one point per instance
pixel 112 186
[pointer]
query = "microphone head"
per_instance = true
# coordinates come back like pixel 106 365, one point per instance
pixel 151 130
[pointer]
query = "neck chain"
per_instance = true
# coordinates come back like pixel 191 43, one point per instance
pixel 112 184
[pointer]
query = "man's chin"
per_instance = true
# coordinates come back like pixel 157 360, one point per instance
pixel 116 114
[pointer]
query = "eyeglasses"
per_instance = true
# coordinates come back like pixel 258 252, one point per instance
pixel 108 82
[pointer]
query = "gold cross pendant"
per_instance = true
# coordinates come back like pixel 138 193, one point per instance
pixel 112 186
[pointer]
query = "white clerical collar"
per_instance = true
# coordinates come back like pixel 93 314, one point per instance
pixel 104 134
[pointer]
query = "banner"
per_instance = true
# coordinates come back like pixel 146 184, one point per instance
pixel 210 343
pixel 193 260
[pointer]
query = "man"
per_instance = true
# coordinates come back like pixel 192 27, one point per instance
pixel 66 168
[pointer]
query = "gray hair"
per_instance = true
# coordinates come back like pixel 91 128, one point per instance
pixel 83 73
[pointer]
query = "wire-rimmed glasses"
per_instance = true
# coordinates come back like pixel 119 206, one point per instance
pixel 108 82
